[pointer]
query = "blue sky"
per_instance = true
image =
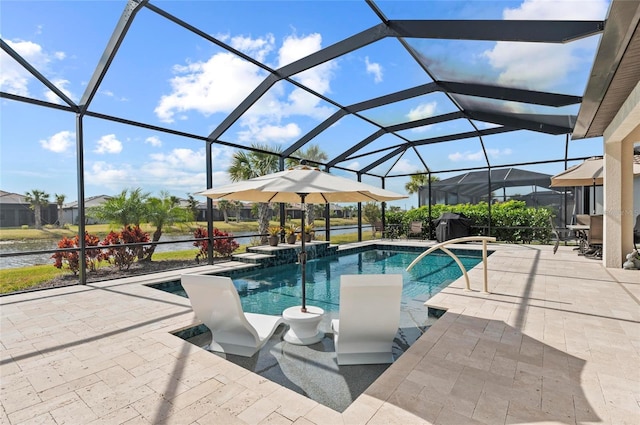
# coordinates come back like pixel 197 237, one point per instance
pixel 167 76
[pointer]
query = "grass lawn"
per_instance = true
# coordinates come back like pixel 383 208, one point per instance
pixel 101 230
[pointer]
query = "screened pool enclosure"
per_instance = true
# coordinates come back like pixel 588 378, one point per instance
pixel 387 90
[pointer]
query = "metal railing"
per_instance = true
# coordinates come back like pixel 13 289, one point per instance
pixel 442 246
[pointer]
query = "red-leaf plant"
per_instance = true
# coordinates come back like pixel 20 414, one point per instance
pixel 223 247
pixel 124 256
pixel 72 258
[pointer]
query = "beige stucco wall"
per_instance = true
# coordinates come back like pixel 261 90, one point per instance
pixel 619 204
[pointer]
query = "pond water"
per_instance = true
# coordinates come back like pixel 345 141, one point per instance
pixel 50 244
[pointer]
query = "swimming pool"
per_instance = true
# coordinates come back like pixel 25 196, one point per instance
pixel 274 289
pixel 300 368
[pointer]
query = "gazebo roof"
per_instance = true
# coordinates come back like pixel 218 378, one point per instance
pixel 476 183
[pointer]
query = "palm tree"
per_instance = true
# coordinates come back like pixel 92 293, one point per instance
pixel 234 208
pixel 417 180
pixel 224 206
pixel 129 207
pixel 37 199
pixel 60 201
pixel 165 210
pixel 247 165
pixel 314 154
pixel 193 207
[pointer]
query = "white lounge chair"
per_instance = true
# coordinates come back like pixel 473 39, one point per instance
pixel 216 303
pixel 369 318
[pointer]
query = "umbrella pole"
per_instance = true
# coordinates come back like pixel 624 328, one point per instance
pixel 303 254
pixel 594 197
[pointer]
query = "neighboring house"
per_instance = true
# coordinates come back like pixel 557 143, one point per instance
pixel 293 211
pixel 15 211
pixel 70 210
pixel 244 214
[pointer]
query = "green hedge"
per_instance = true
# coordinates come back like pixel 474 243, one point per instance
pixel 511 221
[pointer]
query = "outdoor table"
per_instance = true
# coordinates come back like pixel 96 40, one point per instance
pixel 303 327
pixel 582 232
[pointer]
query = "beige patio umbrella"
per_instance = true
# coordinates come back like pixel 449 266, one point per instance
pixel 302 184
pixel 590 172
pixel 587 173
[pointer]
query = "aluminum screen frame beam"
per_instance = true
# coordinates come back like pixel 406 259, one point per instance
pixel 532 31
pixel 524 123
pixel 118 35
pixel 344 156
pixel 509 94
pixel 44 80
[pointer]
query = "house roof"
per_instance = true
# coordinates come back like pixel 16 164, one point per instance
pixel 615 72
pixel 93 201
pixel 11 198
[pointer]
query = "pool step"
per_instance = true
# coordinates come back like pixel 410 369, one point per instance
pixel 267 256
pixel 253 258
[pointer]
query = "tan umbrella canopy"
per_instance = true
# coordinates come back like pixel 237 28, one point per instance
pixel 301 184
pixel 318 187
pixel 590 172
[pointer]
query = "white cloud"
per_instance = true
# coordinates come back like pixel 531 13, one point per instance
pixel 103 174
pixel 153 141
pixel 537 65
pixel 217 85
pixel 270 133
pixel 479 155
pixel 375 69
pixel 403 166
pixel 221 83
pixel 355 165
pixel 62 85
pixel 178 159
pixel 567 9
pixel 317 78
pixel 108 144
pixel 424 110
pixel 59 142
pixel 180 171
pixel 258 48
pixel 294 48
pixel 14 78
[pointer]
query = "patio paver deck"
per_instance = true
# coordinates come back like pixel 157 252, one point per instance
pixel 556 341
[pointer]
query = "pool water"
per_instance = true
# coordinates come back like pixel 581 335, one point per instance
pixel 272 290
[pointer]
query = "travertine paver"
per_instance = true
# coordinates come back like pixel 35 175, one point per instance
pixel 557 341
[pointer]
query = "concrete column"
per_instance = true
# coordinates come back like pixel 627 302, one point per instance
pixel 619 137
pixel 618 201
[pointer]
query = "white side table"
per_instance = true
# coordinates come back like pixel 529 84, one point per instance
pixel 303 327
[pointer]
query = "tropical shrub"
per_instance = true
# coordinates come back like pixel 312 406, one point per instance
pixel 511 221
pixel 71 259
pixel 223 246
pixel 124 256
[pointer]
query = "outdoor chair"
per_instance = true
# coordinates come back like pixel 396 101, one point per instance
pixel 368 318
pixel 415 229
pixel 595 238
pixel 560 234
pixel 556 233
pixel 216 303
pixel 378 228
pixel 583 219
